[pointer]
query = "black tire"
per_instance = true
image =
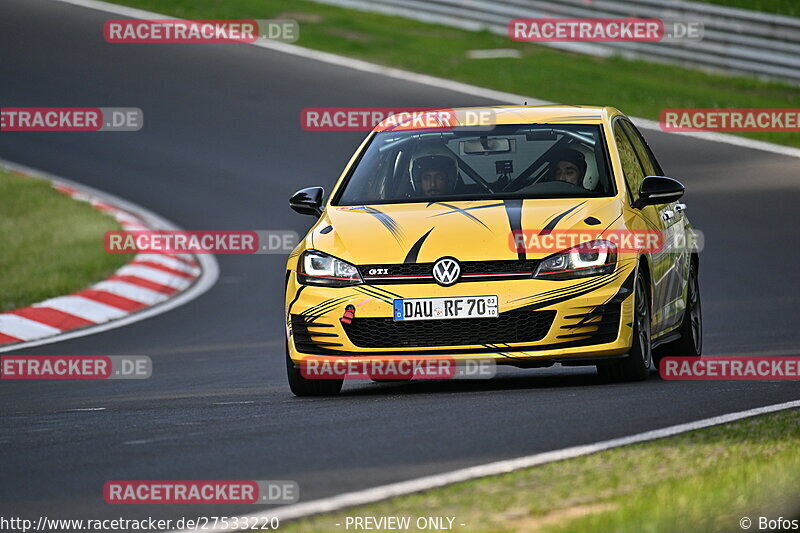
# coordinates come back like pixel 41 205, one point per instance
pixel 636 366
pixel 310 387
pixel 690 343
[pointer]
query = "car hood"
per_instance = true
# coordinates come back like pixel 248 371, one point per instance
pixel 466 230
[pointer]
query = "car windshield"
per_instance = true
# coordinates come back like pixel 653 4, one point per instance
pixel 510 161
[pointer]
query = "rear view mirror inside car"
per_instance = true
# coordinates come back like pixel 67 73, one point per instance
pixel 485 145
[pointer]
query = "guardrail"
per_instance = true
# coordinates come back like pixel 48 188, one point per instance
pixel 734 40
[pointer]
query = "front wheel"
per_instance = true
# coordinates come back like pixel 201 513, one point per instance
pixel 302 386
pixel 636 366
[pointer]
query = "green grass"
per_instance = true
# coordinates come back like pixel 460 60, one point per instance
pixel 781 7
pixel 638 88
pixel 52 244
pixel 701 481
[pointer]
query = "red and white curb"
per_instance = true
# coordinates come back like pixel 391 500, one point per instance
pixel 149 284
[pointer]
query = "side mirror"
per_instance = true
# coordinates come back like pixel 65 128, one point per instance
pixel 308 201
pixel 656 190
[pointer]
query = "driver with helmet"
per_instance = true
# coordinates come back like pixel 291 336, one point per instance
pixel 568 165
pixel 434 171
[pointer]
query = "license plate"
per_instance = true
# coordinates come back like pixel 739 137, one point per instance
pixel 445 308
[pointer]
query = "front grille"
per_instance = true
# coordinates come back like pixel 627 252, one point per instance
pixel 470 271
pixel 510 327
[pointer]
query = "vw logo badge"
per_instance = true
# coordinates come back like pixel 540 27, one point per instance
pixel 446 271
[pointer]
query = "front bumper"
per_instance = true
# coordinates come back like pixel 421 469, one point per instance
pixel 541 321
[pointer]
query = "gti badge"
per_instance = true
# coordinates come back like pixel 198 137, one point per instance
pixel 446 271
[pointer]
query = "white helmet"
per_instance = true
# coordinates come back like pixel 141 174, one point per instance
pixel 592 177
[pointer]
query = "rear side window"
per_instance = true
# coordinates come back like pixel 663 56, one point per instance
pixel 632 170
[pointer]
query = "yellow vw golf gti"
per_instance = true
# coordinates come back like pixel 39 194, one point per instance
pixel 549 235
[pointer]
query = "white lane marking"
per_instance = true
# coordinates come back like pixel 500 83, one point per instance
pixel 497 53
pixel 232 403
pixel 375 494
pixel 84 308
pixel 23 328
pixel 86 409
pixel 122 216
pixel 131 292
pixel 169 262
pixel 130 226
pixel 208 263
pixel 148 441
pixel 154 275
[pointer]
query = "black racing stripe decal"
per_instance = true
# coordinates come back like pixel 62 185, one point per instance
pixel 514 213
pixel 622 294
pixel 413 253
pixel 552 224
pixel 584 284
pixel 554 292
pixel 625 290
pixel 464 211
pixel 320 312
pixel 384 291
pixel 387 221
pixel 323 307
pixel 553 301
pixel 455 209
pixel 375 294
pixel 296 296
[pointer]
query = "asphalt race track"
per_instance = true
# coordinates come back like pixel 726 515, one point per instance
pixel 223 149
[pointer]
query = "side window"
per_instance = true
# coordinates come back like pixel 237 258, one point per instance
pixel 634 174
pixel 651 167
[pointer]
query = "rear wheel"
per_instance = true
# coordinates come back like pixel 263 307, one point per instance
pixel 309 387
pixel 636 366
pixel 690 343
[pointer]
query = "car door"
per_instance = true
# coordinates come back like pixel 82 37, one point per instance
pixel 671 217
pixel 647 218
pixel 675 237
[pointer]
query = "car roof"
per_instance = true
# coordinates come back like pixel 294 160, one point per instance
pixel 524 114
